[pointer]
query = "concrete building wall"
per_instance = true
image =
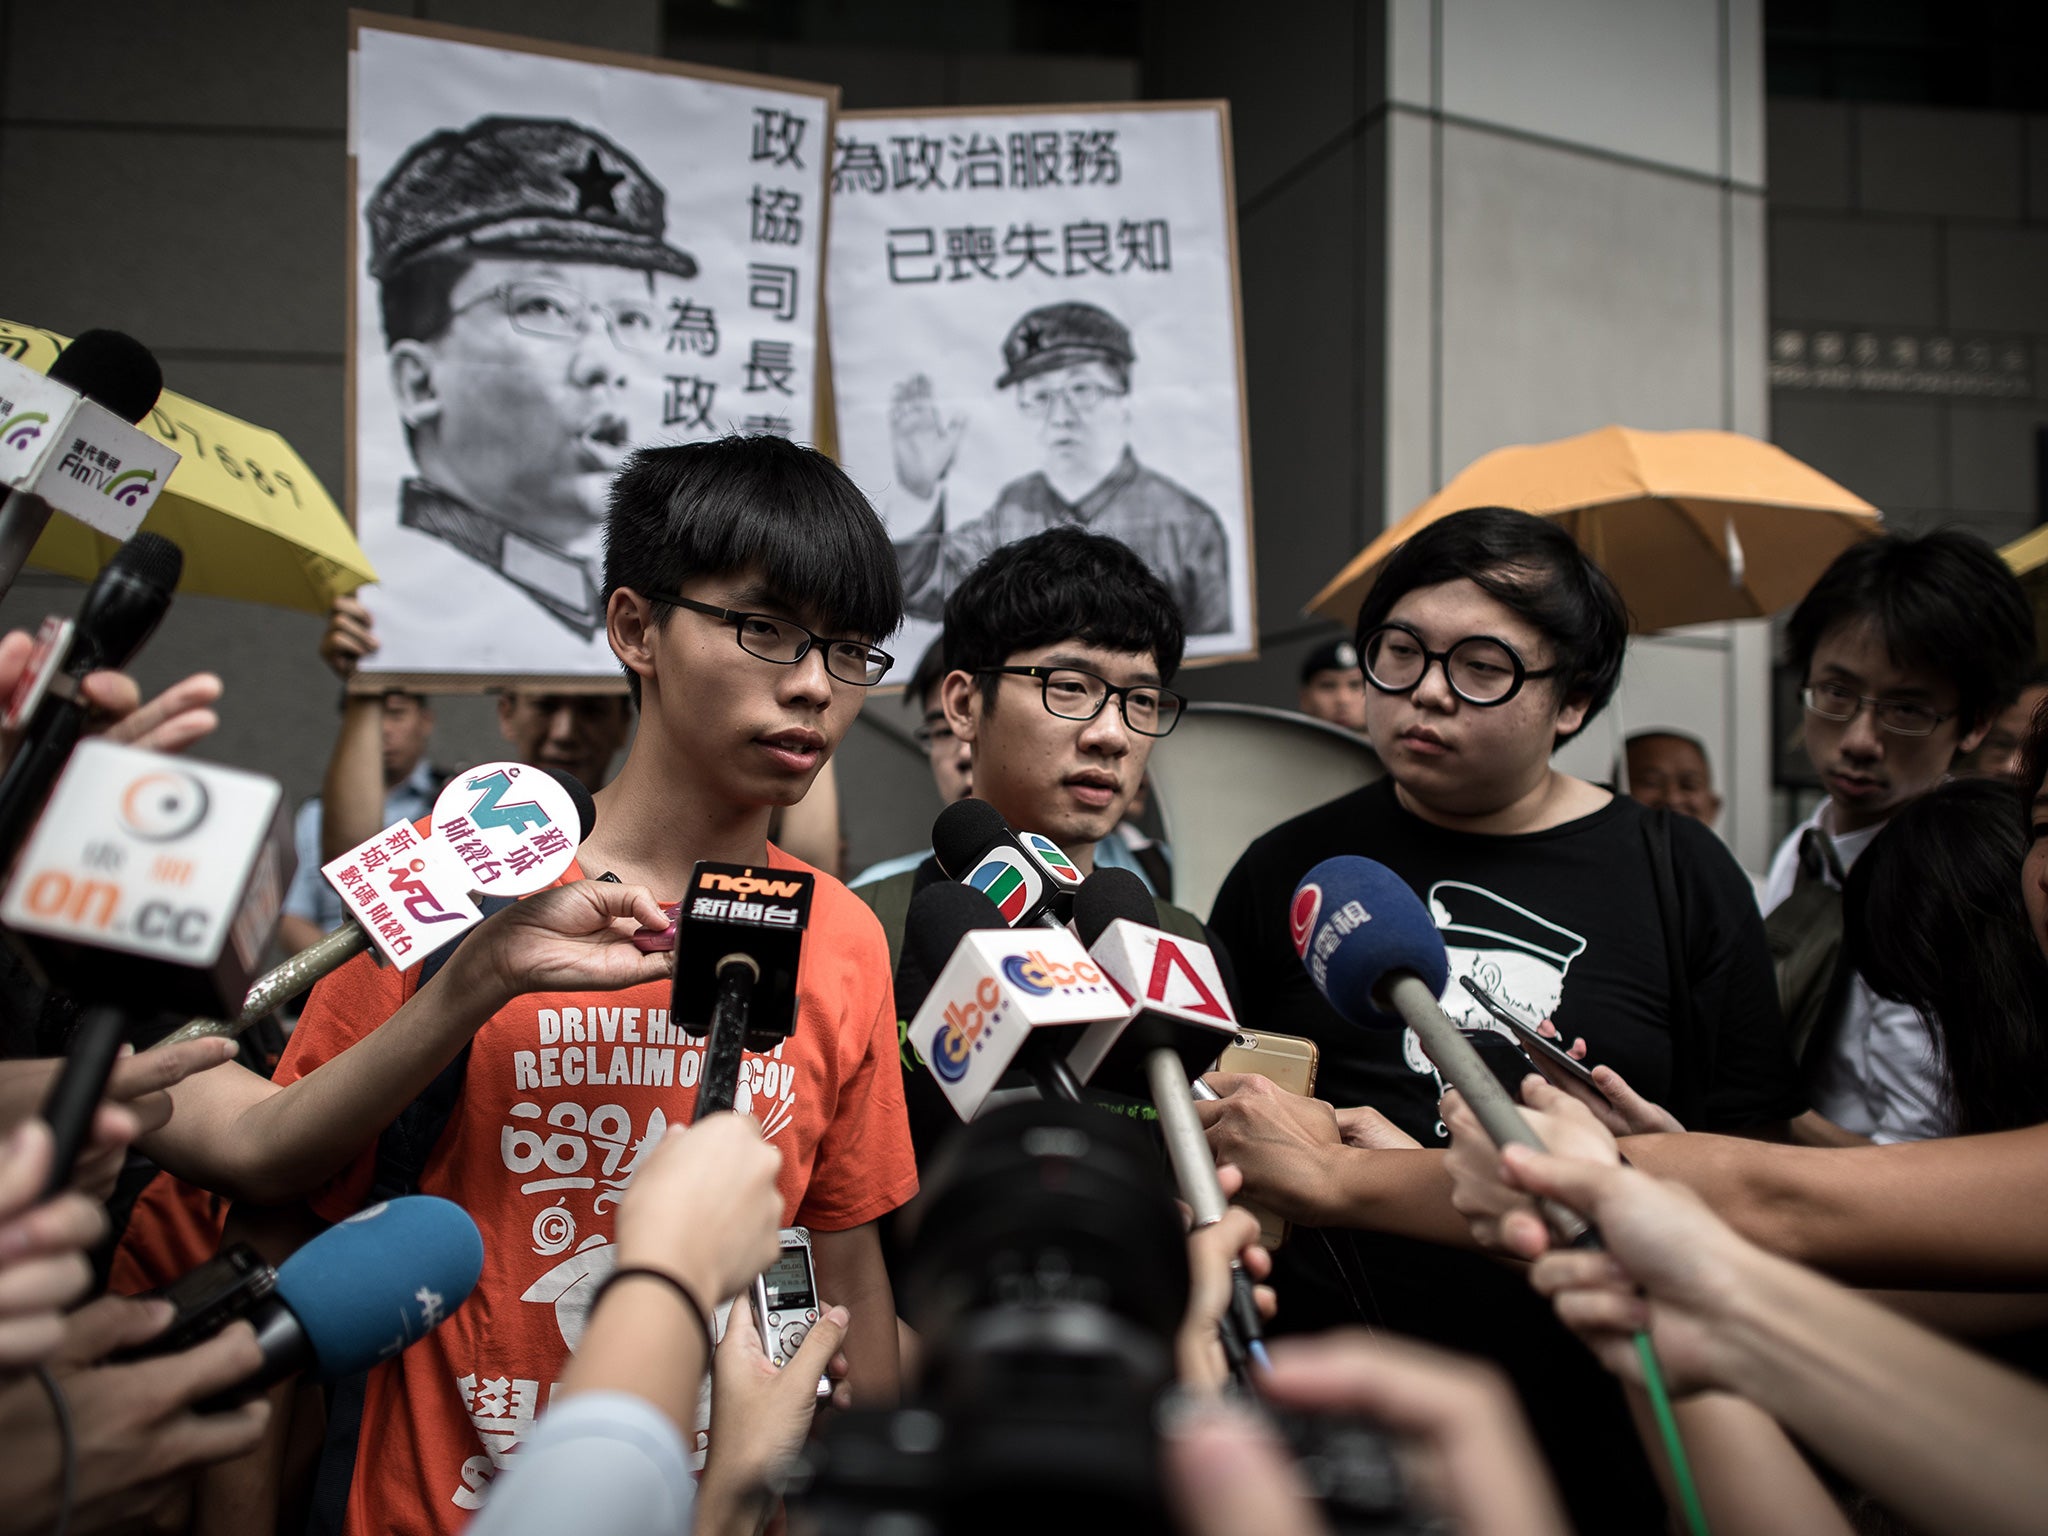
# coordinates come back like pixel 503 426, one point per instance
pixel 1915 225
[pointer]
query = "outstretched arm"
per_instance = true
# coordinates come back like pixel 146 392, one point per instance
pixel 255 1140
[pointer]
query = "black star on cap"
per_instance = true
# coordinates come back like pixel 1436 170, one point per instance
pixel 594 186
pixel 1029 338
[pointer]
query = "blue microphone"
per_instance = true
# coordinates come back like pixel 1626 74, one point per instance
pixel 1373 952
pixel 363 1290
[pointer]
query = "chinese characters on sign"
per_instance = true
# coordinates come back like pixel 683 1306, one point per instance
pixel 1901 362
pixel 1034 324
pixel 642 252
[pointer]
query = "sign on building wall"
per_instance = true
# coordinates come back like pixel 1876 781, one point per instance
pixel 557 256
pixel 1034 322
pixel 1902 362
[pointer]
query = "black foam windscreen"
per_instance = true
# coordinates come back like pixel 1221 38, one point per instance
pixel 113 368
pixel 1107 895
pixel 586 807
pixel 940 916
pixel 964 831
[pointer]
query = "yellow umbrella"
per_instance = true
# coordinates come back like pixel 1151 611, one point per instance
pixel 2027 555
pixel 1691 526
pixel 252 519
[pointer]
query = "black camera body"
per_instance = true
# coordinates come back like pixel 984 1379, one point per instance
pixel 1048 1278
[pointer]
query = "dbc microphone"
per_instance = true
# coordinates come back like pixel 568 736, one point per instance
pixel 1373 952
pixel 121 609
pixel 1001 997
pixel 421 878
pixel 739 937
pixel 364 1290
pixel 1027 877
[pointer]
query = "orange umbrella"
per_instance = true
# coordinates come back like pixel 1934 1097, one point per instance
pixel 1691 526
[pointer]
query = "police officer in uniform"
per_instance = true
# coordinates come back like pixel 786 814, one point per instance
pixel 1070 365
pixel 524 282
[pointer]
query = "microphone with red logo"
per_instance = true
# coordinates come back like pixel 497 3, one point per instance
pixel 149 883
pixel 1000 998
pixel 1176 1024
pixel 1031 882
pixel 739 938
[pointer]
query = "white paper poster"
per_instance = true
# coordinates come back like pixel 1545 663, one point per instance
pixel 1034 322
pixel 557 259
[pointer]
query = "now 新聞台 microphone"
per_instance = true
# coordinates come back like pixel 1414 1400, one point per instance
pixel 1000 997
pixel 1029 879
pixel 1372 950
pixel 739 941
pixel 120 610
pixel 362 1291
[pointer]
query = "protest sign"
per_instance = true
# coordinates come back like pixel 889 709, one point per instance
pixel 557 256
pixel 1034 321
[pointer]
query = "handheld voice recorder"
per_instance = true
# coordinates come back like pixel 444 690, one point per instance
pixel 786 1302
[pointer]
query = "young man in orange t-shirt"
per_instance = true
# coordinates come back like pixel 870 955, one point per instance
pixel 745 582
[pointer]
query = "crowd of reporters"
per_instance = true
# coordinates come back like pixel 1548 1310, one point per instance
pixel 1808 1143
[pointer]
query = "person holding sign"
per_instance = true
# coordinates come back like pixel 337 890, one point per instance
pixel 1070 365
pixel 523 279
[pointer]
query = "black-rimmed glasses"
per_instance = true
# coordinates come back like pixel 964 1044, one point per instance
pixel 786 642
pixel 1480 669
pixel 1072 694
pixel 1902 717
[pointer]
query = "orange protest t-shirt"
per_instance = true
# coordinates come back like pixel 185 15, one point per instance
pixel 563 1094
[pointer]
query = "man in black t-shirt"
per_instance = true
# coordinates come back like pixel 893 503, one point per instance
pixel 1487 641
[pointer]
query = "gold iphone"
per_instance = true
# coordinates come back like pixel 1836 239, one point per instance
pixel 1289 1062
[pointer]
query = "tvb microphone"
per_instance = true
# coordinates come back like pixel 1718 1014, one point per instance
pixel 109 368
pixel 1000 997
pixel 150 883
pixel 362 1291
pixel 1176 1023
pixel 328 954
pixel 1372 950
pixel 739 938
pixel 121 609
pixel 1029 879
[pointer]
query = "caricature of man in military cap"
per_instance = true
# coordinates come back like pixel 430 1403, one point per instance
pixel 1070 365
pixel 524 281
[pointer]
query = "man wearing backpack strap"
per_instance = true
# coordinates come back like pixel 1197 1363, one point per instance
pixel 1907 649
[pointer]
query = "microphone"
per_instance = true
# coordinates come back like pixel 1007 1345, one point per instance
pixel 1028 878
pixel 1000 997
pixel 408 895
pixel 362 1291
pixel 1176 1023
pixel 120 610
pixel 150 883
pixel 1372 950
pixel 739 939
pixel 119 376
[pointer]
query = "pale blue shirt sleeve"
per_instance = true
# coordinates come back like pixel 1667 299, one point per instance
pixel 605 1462
pixel 303 898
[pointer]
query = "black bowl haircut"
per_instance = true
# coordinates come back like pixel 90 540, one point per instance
pixel 762 505
pixel 1062 584
pixel 1944 603
pixel 1534 569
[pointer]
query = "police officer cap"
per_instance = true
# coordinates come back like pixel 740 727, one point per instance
pixel 1331 656
pixel 1060 335
pixel 521 186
